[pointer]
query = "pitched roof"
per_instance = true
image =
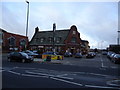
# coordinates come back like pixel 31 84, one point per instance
pixel 47 34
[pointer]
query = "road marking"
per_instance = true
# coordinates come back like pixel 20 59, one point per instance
pixel 102 62
pixel 33 75
pixel 14 72
pixel 2 70
pixel 66 81
pixel 101 87
pixel 49 75
pixel 99 74
pixel 112 82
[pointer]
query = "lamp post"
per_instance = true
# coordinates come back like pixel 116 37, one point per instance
pixel 54 28
pixel 27 18
pixel 118 39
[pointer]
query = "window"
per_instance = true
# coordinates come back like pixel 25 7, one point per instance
pixel 58 39
pixel 22 42
pixel 42 39
pixel 50 39
pixel 11 41
pixel 73 40
pixel 74 32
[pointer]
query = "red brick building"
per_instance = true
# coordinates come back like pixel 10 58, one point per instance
pixel 67 39
pixel 12 41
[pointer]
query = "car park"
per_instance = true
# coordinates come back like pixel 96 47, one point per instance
pixel 116 58
pixel 20 57
pixel 52 55
pixel 67 54
pixel 78 55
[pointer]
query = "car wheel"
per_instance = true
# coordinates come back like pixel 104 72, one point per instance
pixel 23 60
pixel 115 61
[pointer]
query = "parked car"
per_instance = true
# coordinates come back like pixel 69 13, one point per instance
pixel 19 56
pixel 53 56
pixel 104 52
pixel 109 54
pixel 112 55
pixel 68 54
pixel 78 55
pixel 30 53
pixel 116 58
pixel 90 55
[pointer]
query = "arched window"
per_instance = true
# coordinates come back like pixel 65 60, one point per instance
pixel 22 42
pixel 11 41
pixel 73 40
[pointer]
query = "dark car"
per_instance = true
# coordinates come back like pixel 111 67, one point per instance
pixel 78 55
pixel 68 54
pixel 30 53
pixel 90 55
pixel 116 58
pixel 20 57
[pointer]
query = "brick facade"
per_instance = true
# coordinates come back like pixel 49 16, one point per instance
pixel 12 41
pixel 69 40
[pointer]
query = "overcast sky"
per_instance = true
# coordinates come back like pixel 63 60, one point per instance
pixel 97 22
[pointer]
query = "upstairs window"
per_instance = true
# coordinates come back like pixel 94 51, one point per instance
pixel 73 40
pixel 11 41
pixel 74 32
pixel 58 39
pixel 50 39
pixel 42 39
pixel 23 42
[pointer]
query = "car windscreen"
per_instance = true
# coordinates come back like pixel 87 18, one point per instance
pixel 24 54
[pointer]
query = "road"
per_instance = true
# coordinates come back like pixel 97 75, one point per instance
pixel 98 72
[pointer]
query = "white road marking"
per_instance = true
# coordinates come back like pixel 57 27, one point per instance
pixel 101 62
pixel 114 67
pixel 14 72
pixel 62 75
pixel 49 75
pixel 101 87
pixel 66 81
pixel 112 82
pixel 33 75
pixel 2 70
pixel 99 74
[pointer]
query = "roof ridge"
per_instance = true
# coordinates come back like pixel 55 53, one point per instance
pixel 55 30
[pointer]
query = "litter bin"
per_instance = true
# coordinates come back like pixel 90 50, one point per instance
pixel 48 58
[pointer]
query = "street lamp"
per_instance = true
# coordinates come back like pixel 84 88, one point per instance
pixel 118 37
pixel 54 28
pixel 27 18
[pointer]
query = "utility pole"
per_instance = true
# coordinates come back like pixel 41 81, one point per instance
pixel 27 18
pixel 27 23
pixel 118 39
pixel 54 29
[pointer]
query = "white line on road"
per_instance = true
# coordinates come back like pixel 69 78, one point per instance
pixel 49 75
pixel 102 62
pixel 14 72
pixel 2 70
pixel 33 75
pixel 101 87
pixel 66 81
